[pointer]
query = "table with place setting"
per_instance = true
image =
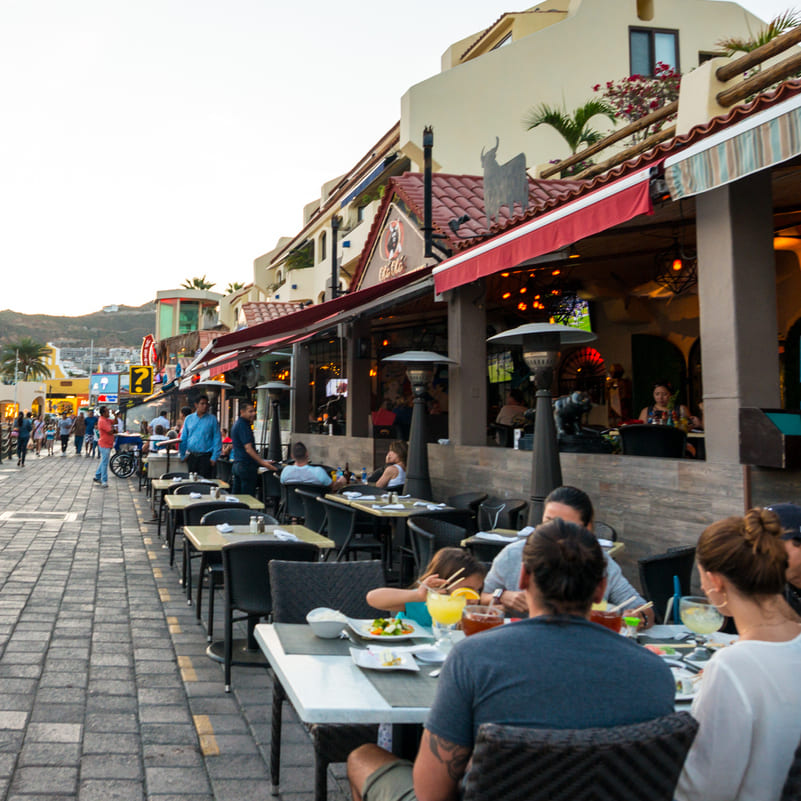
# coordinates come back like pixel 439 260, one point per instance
pixel 499 538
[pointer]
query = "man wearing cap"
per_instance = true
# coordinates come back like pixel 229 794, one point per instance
pixel 790 517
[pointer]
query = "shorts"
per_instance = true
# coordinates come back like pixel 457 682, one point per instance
pixel 391 782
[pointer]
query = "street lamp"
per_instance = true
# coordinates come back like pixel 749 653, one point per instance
pixel 420 370
pixel 275 390
pixel 541 344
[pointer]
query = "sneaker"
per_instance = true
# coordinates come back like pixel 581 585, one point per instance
pixel 96 480
pixel 104 486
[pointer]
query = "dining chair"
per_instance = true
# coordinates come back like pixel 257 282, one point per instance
pixel 192 516
pixel 364 489
pixel 427 535
pixel 292 503
pixel 642 439
pixel 656 577
pixel 271 491
pixel 340 526
pixel 636 762
pixel 338 585
pixel 497 512
pixel 792 785
pixel 470 501
pixel 604 531
pixel 246 582
pixel 313 512
pixel 185 488
pixel 211 561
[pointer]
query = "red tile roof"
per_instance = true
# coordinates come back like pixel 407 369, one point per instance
pixel 264 311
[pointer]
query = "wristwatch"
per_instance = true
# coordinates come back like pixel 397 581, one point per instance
pixel 496 595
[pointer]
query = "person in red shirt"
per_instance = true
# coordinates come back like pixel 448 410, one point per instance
pixel 105 431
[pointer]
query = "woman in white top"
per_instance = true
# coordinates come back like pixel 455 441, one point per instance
pixel 394 475
pixel 750 697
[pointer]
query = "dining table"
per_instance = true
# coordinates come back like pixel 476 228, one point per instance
pixel 499 538
pixel 161 485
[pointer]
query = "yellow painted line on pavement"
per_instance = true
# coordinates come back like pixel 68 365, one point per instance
pixel 164 595
pixel 151 555
pixel 205 731
pixel 147 540
pixel 157 572
pixel 186 668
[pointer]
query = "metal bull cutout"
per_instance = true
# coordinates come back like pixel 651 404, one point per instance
pixel 504 184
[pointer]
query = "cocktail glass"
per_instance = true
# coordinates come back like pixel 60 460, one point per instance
pixel 446 612
pixel 477 618
pixel 701 617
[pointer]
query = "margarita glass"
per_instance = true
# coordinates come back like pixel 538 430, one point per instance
pixel 701 617
pixel 446 612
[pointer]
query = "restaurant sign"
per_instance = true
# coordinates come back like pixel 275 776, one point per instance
pixel 398 249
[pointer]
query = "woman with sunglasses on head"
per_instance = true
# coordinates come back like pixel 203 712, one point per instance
pixel 750 697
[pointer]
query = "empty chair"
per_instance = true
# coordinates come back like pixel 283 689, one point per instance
pixel 222 470
pixel 271 491
pixel 174 474
pixel 604 531
pixel 365 489
pixel 297 589
pixel 246 581
pixel 292 504
pixel 638 762
pixel 340 526
pixel 500 513
pixel 211 561
pixel 313 512
pixel 203 487
pixel 792 785
pixel 656 577
pixel 650 440
pixel 470 501
pixel 428 534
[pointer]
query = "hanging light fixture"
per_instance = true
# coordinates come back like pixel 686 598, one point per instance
pixel 676 268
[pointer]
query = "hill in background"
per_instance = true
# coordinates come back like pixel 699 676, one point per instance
pixel 119 329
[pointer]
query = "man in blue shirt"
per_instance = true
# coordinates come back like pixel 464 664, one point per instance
pixel 200 440
pixel 245 470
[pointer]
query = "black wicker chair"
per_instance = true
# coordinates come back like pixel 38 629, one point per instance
pixel 656 576
pixel 271 491
pixel 246 580
pixel 792 785
pixel 292 503
pixel 428 534
pixel 470 501
pixel 211 561
pixel 365 489
pixel 313 512
pixel 340 526
pixel 500 513
pixel 648 440
pixel 342 586
pixel 185 488
pixel 639 762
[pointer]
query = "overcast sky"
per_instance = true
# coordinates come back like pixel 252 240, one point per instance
pixel 147 141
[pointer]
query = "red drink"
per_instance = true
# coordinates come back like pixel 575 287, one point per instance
pixel 612 620
pixel 479 618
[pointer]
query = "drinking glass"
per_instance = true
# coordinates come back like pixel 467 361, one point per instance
pixel 701 617
pixel 477 618
pixel 446 612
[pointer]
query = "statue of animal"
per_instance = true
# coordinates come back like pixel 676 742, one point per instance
pixel 568 411
pixel 504 184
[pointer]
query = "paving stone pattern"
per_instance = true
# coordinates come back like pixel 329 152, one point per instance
pixel 106 692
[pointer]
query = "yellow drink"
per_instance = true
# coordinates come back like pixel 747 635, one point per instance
pixel 700 619
pixel 445 609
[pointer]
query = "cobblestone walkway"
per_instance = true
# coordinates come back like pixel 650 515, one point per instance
pixel 106 693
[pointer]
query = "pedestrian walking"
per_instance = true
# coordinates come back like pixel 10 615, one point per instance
pixel 105 430
pixel 50 435
pixel 23 426
pixel 79 431
pixel 39 433
pixel 64 429
pixel 90 440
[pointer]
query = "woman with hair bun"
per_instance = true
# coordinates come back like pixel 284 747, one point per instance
pixel 749 704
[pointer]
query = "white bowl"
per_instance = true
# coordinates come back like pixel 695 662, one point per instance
pixel 329 628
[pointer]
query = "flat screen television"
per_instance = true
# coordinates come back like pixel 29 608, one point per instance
pixel 336 386
pixel 579 317
pixel 500 367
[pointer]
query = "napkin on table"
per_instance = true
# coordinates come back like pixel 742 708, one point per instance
pixel 224 528
pixel 231 498
pixel 195 495
pixel 525 531
pixel 489 535
pixel 286 536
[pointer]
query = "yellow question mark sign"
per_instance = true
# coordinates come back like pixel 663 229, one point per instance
pixel 140 379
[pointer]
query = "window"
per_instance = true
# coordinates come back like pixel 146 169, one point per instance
pixel 322 246
pixel 649 45
pixel 507 40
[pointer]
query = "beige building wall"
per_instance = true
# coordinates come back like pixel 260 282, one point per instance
pixel 470 104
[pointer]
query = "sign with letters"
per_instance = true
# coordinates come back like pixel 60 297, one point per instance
pixel 140 377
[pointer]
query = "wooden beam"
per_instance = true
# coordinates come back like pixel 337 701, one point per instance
pixel 778 72
pixel 726 72
pixel 630 152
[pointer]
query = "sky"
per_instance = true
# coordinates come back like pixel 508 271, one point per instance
pixel 144 142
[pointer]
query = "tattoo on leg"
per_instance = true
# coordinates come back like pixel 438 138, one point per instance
pixel 454 757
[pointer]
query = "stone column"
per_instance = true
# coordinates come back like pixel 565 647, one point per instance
pixel 301 398
pixel 467 344
pixel 359 384
pixel 737 297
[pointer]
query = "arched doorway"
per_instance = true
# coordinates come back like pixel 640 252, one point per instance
pixel 655 359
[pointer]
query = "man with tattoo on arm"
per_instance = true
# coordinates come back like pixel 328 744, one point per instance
pixel 553 670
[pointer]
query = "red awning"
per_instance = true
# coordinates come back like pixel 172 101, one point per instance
pixel 589 214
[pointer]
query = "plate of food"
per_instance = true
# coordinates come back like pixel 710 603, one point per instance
pixel 688 682
pixel 385 659
pixel 388 629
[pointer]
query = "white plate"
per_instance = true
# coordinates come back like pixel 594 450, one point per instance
pixel 372 661
pixel 691 683
pixel 362 628
pixel 430 656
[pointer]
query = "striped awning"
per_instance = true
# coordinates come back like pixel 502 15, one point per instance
pixel 756 143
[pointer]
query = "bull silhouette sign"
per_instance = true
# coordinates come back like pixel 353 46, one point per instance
pixel 504 184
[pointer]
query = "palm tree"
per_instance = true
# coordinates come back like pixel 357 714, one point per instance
pixel 776 27
pixel 575 128
pixel 234 286
pixel 197 283
pixel 26 358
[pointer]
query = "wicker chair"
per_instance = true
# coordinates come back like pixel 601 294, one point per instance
pixel 648 440
pixel 340 526
pixel 342 586
pixel 211 561
pixel 292 503
pixel 638 762
pixel 428 534
pixel 247 585
pixel 792 785
pixel 470 501
pixel 313 512
pixel 500 513
pixel 656 577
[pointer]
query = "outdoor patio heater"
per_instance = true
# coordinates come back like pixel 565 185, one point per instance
pixel 541 345
pixel 275 391
pixel 420 370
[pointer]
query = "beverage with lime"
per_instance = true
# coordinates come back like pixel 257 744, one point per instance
pixel 701 617
pixel 446 612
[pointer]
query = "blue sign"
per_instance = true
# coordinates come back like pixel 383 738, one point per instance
pixel 104 383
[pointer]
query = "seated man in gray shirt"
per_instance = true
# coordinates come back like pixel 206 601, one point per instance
pixel 550 671
pixel 573 506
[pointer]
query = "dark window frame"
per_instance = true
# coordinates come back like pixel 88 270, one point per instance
pixel 651 57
